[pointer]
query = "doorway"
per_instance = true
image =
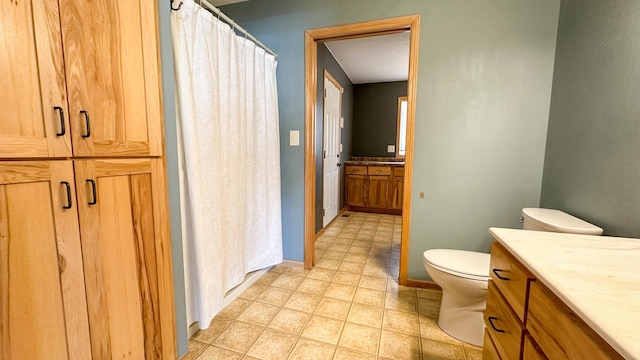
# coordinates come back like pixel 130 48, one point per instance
pixel 332 112
pixel 365 29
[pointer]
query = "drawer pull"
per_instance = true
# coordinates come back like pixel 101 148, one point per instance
pixel 491 318
pixel 87 123
pixel 496 271
pixel 61 115
pixel 68 187
pixel 93 192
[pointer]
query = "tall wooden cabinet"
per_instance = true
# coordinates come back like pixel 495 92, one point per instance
pixel 85 265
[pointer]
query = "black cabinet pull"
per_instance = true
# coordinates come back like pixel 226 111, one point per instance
pixel 87 123
pixel 61 114
pixel 93 192
pixel 496 271
pixel 491 318
pixel 68 186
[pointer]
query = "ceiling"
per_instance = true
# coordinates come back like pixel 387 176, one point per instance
pixel 373 59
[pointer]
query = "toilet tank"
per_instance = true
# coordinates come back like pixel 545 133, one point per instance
pixel 556 221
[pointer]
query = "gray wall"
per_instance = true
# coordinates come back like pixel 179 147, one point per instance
pixel 171 146
pixel 484 87
pixel 375 117
pixel 592 163
pixel 328 62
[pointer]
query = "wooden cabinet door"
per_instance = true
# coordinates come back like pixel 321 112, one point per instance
pixel 378 192
pixel 34 117
pixel 42 294
pixel 123 224
pixel 398 192
pixel 112 72
pixel 356 190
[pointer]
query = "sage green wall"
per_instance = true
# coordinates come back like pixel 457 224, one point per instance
pixel 592 164
pixel 484 86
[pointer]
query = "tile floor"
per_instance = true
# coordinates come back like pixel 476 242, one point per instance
pixel 349 306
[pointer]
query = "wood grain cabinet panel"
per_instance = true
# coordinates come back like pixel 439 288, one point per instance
pixel 378 192
pixel 121 221
pixel 502 325
pixel 511 278
pixel 34 118
pixel 356 190
pixel 111 57
pixel 42 293
pixel 374 188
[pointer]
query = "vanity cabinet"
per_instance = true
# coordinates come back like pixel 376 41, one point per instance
pixel 85 262
pixel 525 320
pixel 99 57
pixel 374 188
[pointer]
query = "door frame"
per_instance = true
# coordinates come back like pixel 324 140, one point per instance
pixel 311 40
pixel 335 83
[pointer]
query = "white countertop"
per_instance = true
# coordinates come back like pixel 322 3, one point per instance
pixel 598 277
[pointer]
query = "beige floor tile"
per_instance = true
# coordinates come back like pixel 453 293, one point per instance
pixel 289 320
pixel 238 336
pixel 472 352
pixel 268 278
pixel 375 270
pixel 396 301
pixel 360 338
pixel 332 254
pixel 236 308
pixel 435 350
pixel 342 244
pixel 429 308
pixel 359 250
pixel 195 349
pixel 398 346
pixel 278 268
pixel 365 315
pixel 287 281
pixel 432 294
pixel 373 282
pixel 254 291
pixel 340 291
pixel 272 345
pixel 297 270
pixel 362 243
pixel 331 264
pixel 306 349
pixel 303 302
pixel 319 273
pixel 323 329
pixel 348 354
pixel 275 296
pixel 346 278
pixel 259 313
pixel 357 258
pixel 313 286
pixel 216 327
pixel 333 308
pixel 217 353
pixel 369 297
pixel 348 266
pixel 429 329
pixel 401 321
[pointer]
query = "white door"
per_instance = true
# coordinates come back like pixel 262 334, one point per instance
pixel 331 150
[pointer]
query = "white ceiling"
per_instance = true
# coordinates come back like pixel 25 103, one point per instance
pixel 373 59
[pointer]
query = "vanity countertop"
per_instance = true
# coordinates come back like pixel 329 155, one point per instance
pixel 373 163
pixel 598 277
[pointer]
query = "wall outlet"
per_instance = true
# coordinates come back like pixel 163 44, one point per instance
pixel 294 137
pixel 391 148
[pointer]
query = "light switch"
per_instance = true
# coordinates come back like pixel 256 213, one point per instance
pixel 391 148
pixel 294 137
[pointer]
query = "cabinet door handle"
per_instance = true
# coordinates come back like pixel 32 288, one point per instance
pixel 87 123
pixel 68 187
pixel 491 318
pixel 61 115
pixel 93 192
pixel 496 271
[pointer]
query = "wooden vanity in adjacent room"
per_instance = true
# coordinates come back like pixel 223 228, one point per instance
pixel 374 185
pixel 562 296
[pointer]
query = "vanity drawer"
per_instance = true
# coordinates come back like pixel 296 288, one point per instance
pixel 398 171
pixel 558 330
pixel 489 351
pixel 356 170
pixel 531 351
pixel 379 170
pixel 502 325
pixel 511 278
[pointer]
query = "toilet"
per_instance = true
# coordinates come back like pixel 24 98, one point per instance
pixel 464 275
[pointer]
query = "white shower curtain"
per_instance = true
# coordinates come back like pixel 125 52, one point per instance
pixel 229 157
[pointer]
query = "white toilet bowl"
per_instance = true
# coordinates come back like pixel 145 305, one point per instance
pixel 463 277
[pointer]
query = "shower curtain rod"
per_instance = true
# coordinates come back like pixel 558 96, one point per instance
pixel 228 20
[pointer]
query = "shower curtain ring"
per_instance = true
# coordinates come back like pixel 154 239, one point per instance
pixel 179 5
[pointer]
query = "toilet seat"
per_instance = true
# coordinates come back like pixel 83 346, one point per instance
pixel 466 264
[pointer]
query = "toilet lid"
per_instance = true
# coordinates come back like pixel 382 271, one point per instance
pixel 461 262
